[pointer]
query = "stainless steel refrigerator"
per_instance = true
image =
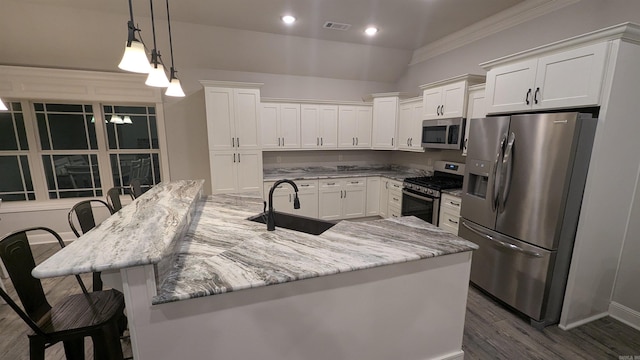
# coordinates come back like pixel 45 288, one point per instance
pixel 522 192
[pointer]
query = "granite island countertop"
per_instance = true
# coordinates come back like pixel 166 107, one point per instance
pixel 223 251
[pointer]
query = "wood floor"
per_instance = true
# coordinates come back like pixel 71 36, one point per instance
pixel 491 332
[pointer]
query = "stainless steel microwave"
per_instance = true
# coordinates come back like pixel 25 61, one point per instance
pixel 443 133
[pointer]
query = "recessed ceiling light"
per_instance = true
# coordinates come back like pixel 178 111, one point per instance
pixel 371 31
pixel 288 19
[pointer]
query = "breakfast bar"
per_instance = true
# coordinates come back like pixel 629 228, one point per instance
pixel 202 281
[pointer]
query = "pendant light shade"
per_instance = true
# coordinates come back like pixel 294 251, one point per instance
pixel 157 77
pixel 4 107
pixel 127 120
pixel 135 58
pixel 115 119
pixel 175 89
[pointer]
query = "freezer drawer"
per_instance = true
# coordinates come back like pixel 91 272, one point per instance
pixel 511 270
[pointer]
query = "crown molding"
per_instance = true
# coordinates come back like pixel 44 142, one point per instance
pixel 21 82
pixel 471 79
pixel 230 84
pixel 503 20
pixel 315 101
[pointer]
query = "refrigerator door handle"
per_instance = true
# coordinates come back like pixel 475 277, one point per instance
pixel 507 163
pixel 497 170
pixel 501 243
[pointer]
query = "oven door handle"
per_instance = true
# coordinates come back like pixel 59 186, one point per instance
pixel 405 192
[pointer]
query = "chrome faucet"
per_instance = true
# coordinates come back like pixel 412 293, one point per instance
pixel 271 221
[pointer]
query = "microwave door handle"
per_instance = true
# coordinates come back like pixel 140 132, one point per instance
pixel 497 170
pixel 507 167
pixel 417 196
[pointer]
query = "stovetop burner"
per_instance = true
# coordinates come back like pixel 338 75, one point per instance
pixel 446 176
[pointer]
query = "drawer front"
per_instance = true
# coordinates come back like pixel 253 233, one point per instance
pixel 451 202
pixel 307 186
pixel 449 221
pixel 395 199
pixel 330 183
pixel 355 182
pixel 394 212
pixel 395 185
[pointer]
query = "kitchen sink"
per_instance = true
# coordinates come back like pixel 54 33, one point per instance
pixel 303 224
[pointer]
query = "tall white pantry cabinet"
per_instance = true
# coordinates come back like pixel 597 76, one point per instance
pixel 233 120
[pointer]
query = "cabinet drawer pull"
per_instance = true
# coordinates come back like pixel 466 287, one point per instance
pixel 454 204
pixel 331 183
pixel 391 141
pixel 535 96
pixel 396 186
pixel 304 185
pixel 233 142
pixel 527 98
pixel 321 142
pixel 451 221
pixel 282 141
pixel 317 141
pixel 396 199
pixel 355 182
pixel 238 142
pixel 234 157
pixel 238 157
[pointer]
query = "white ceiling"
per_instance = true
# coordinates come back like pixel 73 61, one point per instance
pixel 241 35
pixel 403 24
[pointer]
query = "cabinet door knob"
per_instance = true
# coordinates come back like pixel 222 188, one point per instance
pixel 238 141
pixel 233 142
pixel 238 157
pixel 317 141
pixel 527 98
pixel 357 140
pixel 320 141
pixel 234 158
pixel 391 141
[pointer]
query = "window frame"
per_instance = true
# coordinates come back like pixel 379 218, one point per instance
pixel 34 85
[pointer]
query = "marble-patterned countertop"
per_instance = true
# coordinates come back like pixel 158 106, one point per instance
pixel 224 252
pixel 454 192
pixel 323 172
pixel 142 232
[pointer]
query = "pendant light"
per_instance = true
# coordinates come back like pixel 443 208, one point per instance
pixel 135 57
pixel 3 106
pixel 157 77
pixel 174 89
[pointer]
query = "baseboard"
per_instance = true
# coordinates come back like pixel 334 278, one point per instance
pixel 458 355
pixel 583 321
pixel 625 315
pixel 46 238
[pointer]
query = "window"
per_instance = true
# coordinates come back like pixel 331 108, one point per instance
pixel 132 137
pixel 81 149
pixel 69 149
pixel 16 181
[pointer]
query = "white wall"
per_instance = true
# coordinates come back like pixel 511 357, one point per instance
pixel 573 20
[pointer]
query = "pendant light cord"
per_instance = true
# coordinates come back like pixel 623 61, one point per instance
pixel 154 53
pixel 170 42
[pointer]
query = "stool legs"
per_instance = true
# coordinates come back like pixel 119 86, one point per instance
pixel 36 348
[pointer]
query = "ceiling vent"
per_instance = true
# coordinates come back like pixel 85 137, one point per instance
pixel 336 26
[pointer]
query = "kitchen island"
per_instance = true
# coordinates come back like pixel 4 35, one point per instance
pixel 224 287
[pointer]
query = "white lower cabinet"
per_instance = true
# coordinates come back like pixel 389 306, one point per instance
pixel 450 213
pixel 283 197
pixel 342 198
pixel 390 198
pixel 235 171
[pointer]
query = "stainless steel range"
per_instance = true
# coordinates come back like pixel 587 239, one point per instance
pixel 421 195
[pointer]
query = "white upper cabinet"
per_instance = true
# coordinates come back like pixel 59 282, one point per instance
pixel 570 78
pixel 385 120
pixel 447 98
pixel 354 126
pixel 232 118
pixel 280 124
pixel 410 125
pixel 476 109
pixel 319 126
